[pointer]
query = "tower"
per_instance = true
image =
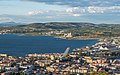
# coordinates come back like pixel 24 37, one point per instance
pixel 66 52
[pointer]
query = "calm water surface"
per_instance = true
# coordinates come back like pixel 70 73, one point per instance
pixel 21 45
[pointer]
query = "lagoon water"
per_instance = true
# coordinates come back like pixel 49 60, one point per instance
pixel 21 45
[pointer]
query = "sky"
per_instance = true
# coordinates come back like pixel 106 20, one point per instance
pixel 37 11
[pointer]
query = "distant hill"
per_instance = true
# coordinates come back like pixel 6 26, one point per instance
pixel 65 25
pixel 86 30
pixel 58 25
pixel 11 24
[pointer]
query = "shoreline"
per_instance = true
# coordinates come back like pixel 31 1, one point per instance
pixel 66 38
pixel 59 37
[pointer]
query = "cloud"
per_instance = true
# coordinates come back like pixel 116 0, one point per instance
pixel 93 10
pixel 83 6
pixel 48 14
pixel 74 11
pixel 96 18
pixel 53 13
pixel 76 15
pixel 81 3
pixel 36 12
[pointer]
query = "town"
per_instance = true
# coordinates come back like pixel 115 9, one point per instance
pixel 102 58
